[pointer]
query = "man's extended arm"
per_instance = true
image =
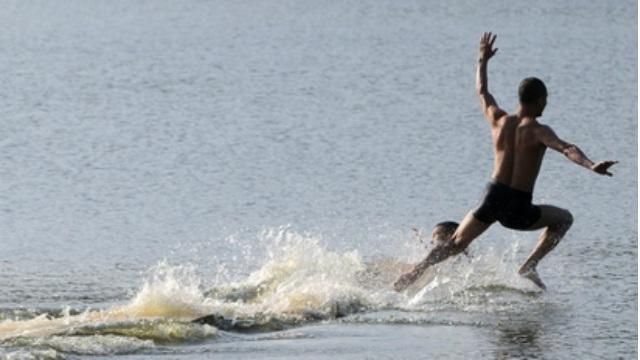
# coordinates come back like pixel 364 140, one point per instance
pixel 572 152
pixel 489 105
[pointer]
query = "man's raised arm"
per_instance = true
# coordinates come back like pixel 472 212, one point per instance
pixel 489 106
pixel 572 152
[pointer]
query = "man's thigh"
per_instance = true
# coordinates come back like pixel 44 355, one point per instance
pixel 469 229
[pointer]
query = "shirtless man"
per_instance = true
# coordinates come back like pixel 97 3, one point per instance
pixel 519 144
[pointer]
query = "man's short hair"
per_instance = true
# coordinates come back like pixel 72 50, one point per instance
pixel 530 90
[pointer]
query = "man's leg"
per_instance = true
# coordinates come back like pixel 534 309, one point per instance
pixel 556 221
pixel 467 231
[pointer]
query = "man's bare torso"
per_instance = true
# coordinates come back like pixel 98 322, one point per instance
pixel 518 151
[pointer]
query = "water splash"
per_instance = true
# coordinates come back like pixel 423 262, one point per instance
pixel 169 292
pixel 484 281
pixel 299 280
pixel 160 311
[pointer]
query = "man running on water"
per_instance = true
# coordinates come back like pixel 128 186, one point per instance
pixel 519 144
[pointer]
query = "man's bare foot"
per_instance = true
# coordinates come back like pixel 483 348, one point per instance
pixel 404 281
pixel 532 274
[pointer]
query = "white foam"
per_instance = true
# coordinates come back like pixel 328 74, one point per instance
pixel 169 292
pixel 94 345
pixel 300 279
pixel 300 276
pixel 34 354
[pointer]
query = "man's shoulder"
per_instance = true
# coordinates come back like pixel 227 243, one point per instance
pixel 543 133
pixel 533 132
pixel 506 119
pixel 542 128
pixel 536 125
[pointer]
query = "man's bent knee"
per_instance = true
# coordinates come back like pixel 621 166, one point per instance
pixel 567 219
pixel 563 221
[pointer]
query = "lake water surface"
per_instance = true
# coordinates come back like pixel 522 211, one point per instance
pixel 265 161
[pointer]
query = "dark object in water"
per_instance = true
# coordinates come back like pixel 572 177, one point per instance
pixel 269 323
pixel 239 325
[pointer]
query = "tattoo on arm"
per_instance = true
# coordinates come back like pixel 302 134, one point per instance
pixel 573 153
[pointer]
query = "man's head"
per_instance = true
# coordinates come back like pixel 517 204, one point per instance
pixel 442 232
pixel 533 95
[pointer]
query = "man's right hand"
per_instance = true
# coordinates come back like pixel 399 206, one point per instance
pixel 486 46
pixel 602 167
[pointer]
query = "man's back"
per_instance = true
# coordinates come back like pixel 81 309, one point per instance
pixel 518 151
pixel 529 152
pixel 503 132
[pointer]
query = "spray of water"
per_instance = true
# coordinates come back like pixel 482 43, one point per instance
pixel 298 280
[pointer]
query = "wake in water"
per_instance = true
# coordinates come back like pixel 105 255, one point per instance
pixel 300 281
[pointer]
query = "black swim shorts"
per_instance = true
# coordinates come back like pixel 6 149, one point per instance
pixel 511 207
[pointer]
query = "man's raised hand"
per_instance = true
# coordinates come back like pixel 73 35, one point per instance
pixel 486 46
